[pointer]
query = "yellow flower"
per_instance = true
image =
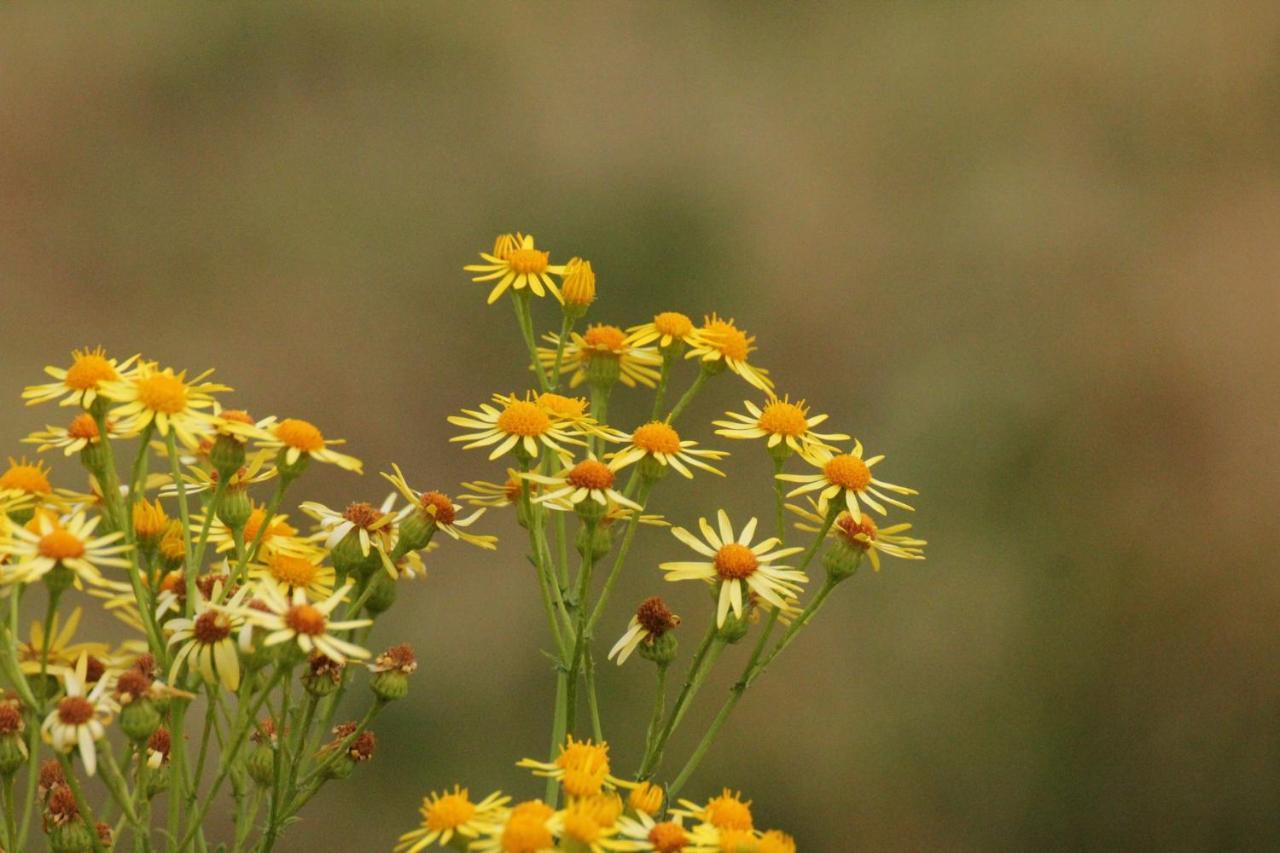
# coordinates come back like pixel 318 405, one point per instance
pixel 720 340
pixel 581 768
pixel 521 425
pixel 374 527
pixel 651 620
pixel 439 508
pixel 27 478
pixel 486 494
pixel 449 813
pixel 79 384
pixel 286 572
pixel 863 534
pixel 208 641
pixel 163 398
pixel 776 841
pixel 848 474
pixel 82 432
pixel 296 438
pixel 69 543
pixel 526 828
pixel 280 537
pixel 57 647
pixel 645 798
pixel 80 718
pixel 780 421
pixel 725 812
pixel 294 619
pixel 738 567
pixel 659 441
pixel 589 479
pixel 516 264
pixel 578 284
pixel 667 328
pixel 590 823
pixel 670 836
pixel 635 365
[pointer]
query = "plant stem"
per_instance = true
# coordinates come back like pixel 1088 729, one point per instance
pixel 703 376
pixel 566 328
pixel 524 317
pixel 702 663
pixel 580 633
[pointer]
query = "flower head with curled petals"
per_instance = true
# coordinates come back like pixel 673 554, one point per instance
pixel 847 475
pixel 636 365
pixel 440 508
pixel 652 619
pixel 294 438
pixel 646 833
pixel 80 383
pixel 588 480
pixel 667 328
pixel 581 768
pixel 736 567
pixel 863 534
pixel 516 264
pixel 520 425
pixel 720 341
pixel 82 432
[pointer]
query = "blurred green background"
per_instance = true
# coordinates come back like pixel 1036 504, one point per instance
pixel 1028 250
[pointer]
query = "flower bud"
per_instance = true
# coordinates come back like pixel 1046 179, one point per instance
pixel 139 719
pixel 261 765
pixel 149 524
pixel 599 540
pixel 391 671
pixel 382 592
pixel 235 509
pixel 841 560
pixel 226 455
pixel 416 531
pixel 59 579
pixel 578 288
pixel 733 629
pixel 349 557
pixel 290 471
pixel 651 469
pixel 661 649
pixel 323 675
pixel 13 749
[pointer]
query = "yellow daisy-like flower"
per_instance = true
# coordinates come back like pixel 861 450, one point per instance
pixel 738 567
pixel 294 619
pixel 82 432
pixel 199 479
pixel 280 536
pixel 441 510
pixel 578 285
pixel 863 534
pixel 775 841
pixel 26 478
pixel 848 474
pixel 449 813
pixel 526 828
pixel 374 526
pixel 80 718
pixel 588 480
pixel 659 441
pixel 581 768
pixel 727 812
pixel 295 438
pixel 521 425
pixel 286 573
pixel 79 384
pixel 718 340
pixel 163 398
pixel 590 823
pixel 667 328
pixel 571 412
pixel 57 647
pixel 780 421
pixel 651 620
pixel 516 264
pixel 208 642
pixel 69 543
pixel 635 365
pixel 669 836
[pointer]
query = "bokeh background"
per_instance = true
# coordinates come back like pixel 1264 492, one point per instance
pixel 1028 250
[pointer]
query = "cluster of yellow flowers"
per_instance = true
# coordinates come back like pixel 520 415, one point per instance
pixel 566 459
pixel 221 597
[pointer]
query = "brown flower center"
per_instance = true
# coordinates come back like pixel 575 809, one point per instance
pixel 439 505
pixel 305 619
pixel 654 616
pixel 211 627
pixel 75 711
pixel 590 474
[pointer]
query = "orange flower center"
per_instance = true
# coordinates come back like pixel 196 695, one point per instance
pixel 87 370
pixel 438 505
pixel 523 418
pixel 722 335
pixel 25 478
pixel 590 474
pixel 848 472
pixel 562 406
pixel 238 416
pixel 305 619
pixel 727 812
pixel 657 437
pixel 211 627
pixel 734 561
pixel 362 514
pixel 293 571
pixel 163 392
pixel 783 418
pixel 585 766
pixel 857 533
pixel 300 434
pixel 609 339
pixel 75 711
pixel 667 838
pixel 673 324
pixel 450 811
pixel 60 545
pixel 528 261
pixel 83 426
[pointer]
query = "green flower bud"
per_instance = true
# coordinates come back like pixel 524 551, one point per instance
pixel 391 671
pixel 323 675
pixel 290 471
pixel 94 458
pixel 350 559
pixel 599 540
pixel 661 650
pixel 841 560
pixel 139 719
pixel 734 628
pixel 235 509
pixel 71 837
pixel 261 765
pixel 416 531
pixel 13 749
pixel 226 455
pixel 603 369
pixel 651 469
pixel 382 592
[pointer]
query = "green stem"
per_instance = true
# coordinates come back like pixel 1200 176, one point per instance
pixel 566 328
pixel 615 572
pixel 111 488
pixel 177 767
pixel 669 355
pixel 10 814
pixel 593 704
pixel 703 376
pixel 118 787
pixel 82 805
pixel 175 468
pixel 779 494
pixel 580 633
pixel 209 512
pixel 659 708
pixel 524 317
pixel 277 786
pixel 705 658
pixel 559 727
